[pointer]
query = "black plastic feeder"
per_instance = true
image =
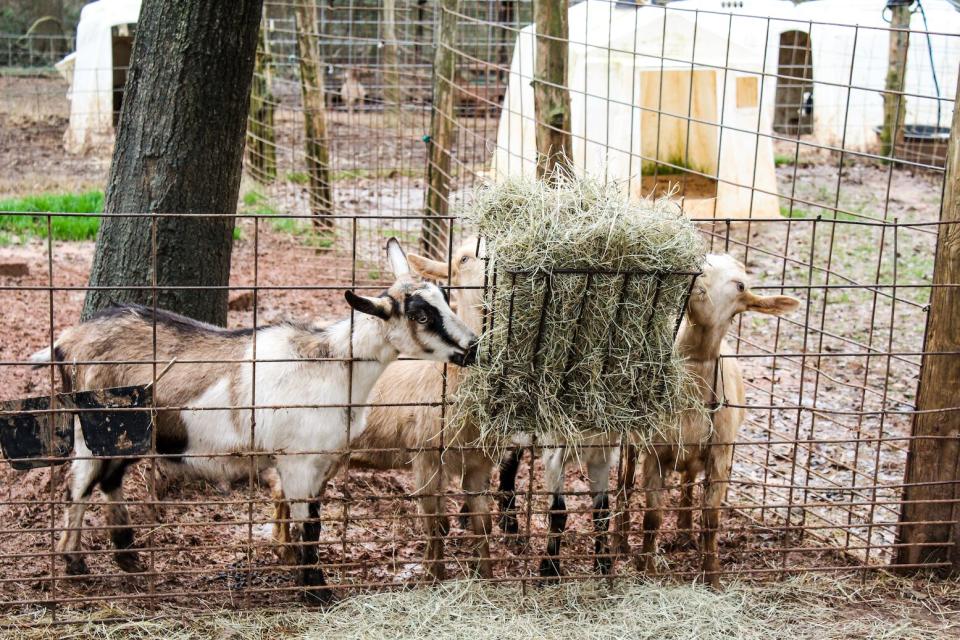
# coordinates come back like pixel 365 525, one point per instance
pixel 109 432
pixel 34 436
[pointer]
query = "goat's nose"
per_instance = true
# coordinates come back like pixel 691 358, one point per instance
pixel 469 356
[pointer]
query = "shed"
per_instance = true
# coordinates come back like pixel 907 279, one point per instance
pixel 97 72
pixel 816 49
pixel 649 93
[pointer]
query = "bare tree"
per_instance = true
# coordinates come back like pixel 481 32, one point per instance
pixel 178 151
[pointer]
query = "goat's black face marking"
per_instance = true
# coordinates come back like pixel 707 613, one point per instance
pixel 417 308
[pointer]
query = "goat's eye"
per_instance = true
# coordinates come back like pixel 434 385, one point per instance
pixel 464 259
pixel 741 287
pixel 421 318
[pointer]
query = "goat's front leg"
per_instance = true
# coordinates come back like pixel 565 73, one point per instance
pixel 507 495
pixel 121 534
pixel 653 475
pixel 620 542
pixel 304 478
pixel 281 518
pixel 685 538
pixel 716 481
pixel 476 483
pixel 84 475
pixel 428 476
pixel 553 479
pixel 598 469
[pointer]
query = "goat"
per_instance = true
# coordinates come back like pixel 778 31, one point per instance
pixel 703 444
pixel 597 454
pixel 198 429
pixel 352 91
pixel 407 433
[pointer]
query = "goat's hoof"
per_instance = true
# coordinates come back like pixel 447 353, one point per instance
pixel 682 542
pixel 463 519
pixel 316 592
pixel 436 572
pixel 508 523
pixel 77 566
pixel 550 569
pixel 129 561
pixel 604 565
pixel 286 554
pixel 322 596
pixel 444 526
pixel 645 564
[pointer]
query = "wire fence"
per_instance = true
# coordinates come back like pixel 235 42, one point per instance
pixel 765 128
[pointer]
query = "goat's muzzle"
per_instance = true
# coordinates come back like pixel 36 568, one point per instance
pixel 466 358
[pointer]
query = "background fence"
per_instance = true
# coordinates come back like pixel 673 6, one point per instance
pixel 835 468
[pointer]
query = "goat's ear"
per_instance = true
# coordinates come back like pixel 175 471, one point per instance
pixel 397 258
pixel 433 269
pixel 379 307
pixel 773 305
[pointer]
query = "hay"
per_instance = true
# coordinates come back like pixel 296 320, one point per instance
pixel 564 358
pixel 808 607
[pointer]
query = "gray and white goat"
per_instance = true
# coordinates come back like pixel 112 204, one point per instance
pixel 327 368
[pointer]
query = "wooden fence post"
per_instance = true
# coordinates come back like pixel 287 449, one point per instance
pixel 392 92
pixel 316 145
pixel 551 97
pixel 932 480
pixel 894 103
pixel 433 238
pixel 261 144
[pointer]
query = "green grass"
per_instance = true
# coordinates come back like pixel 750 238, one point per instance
pixel 63 227
pixel 826 214
pixel 70 228
pixel 302 178
pixel 672 166
pixel 256 203
pixel 298 177
pixel 780 160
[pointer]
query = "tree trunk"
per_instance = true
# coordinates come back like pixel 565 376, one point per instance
pixel 316 145
pixel 261 143
pixel 894 103
pixel 930 519
pixel 179 150
pixel 433 237
pixel 392 93
pixel 551 99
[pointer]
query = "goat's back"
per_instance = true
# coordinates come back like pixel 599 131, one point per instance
pixel 395 434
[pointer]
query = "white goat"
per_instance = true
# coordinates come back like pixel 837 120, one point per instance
pixel 597 453
pixel 296 365
pixel 405 428
pixel 705 446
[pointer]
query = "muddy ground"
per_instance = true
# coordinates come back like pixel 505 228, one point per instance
pixel 845 356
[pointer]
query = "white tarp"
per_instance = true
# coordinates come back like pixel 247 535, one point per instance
pixel 866 49
pixel 637 97
pixel 849 42
pixel 91 80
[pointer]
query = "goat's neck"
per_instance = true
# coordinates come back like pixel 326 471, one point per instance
pixel 700 345
pixel 371 350
pixel 701 342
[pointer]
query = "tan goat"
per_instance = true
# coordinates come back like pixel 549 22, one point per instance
pixel 352 92
pixel 720 293
pixel 415 436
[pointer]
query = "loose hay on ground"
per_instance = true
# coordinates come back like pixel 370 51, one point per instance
pixel 815 607
pixel 592 350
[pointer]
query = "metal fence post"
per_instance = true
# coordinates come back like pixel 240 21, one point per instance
pixel 929 520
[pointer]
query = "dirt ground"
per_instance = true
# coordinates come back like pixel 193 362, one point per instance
pixel 842 365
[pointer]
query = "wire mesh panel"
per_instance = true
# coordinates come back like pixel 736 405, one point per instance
pixel 768 129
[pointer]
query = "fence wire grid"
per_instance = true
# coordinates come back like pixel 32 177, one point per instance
pixel 764 128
